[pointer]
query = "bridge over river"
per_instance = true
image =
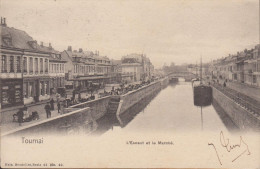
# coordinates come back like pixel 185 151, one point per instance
pixel 188 76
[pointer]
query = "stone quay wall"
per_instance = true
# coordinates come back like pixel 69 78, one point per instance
pixel 55 125
pixel 242 118
pixel 131 98
pixel 98 107
pixel 80 115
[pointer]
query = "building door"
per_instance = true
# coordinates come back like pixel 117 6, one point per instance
pixel 37 94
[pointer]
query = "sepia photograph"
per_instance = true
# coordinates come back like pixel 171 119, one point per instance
pixel 130 83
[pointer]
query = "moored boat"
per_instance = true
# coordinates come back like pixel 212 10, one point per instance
pixel 202 93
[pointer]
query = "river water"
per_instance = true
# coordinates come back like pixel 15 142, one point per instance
pixel 169 110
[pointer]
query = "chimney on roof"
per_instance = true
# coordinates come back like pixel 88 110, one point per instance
pixel 41 44
pixel 80 50
pixel 50 46
pixel 98 53
pixel 3 23
pixel 69 48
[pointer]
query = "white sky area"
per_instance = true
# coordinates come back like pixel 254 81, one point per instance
pixel 166 31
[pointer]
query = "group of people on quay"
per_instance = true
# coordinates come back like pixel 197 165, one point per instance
pixel 92 94
pixel 23 115
pixel 63 101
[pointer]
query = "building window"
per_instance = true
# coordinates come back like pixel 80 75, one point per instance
pixel 46 66
pixel 25 90
pixel 4 64
pixel 41 65
pixel 25 64
pixel 18 63
pixel 57 68
pixel 36 67
pixel 42 88
pixel 60 81
pixel 254 78
pixel 11 93
pixel 31 65
pixel 6 99
pixel 50 65
pixel 45 87
pixel 11 63
pixel 30 89
pixel 258 66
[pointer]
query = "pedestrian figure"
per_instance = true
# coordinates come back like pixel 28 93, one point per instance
pixel 58 105
pixel 25 113
pixel 52 104
pixel 73 94
pixel 20 116
pixel 224 84
pixel 48 110
pixel 62 106
pixel 79 96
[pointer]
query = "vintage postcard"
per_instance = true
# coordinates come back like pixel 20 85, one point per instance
pixel 130 84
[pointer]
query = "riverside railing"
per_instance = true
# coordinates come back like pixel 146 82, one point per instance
pixel 240 98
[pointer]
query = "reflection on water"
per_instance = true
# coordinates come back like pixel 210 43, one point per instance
pixel 109 121
pixel 171 109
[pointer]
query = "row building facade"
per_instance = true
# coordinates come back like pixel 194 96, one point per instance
pixel 25 68
pixel 242 67
pixel 136 67
pixel 84 68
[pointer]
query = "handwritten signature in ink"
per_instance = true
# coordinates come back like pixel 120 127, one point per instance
pixel 229 147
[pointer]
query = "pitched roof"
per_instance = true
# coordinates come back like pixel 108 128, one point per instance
pixel 116 62
pixel 75 54
pixel 48 49
pixel 19 39
pixel 86 54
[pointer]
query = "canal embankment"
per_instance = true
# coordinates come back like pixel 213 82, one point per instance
pixel 76 120
pixel 131 98
pixel 243 113
pixel 83 115
pixel 98 107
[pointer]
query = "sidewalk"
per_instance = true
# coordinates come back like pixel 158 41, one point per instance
pixel 250 91
pixel 7 123
pixel 253 92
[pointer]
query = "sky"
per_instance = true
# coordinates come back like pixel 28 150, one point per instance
pixel 178 31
